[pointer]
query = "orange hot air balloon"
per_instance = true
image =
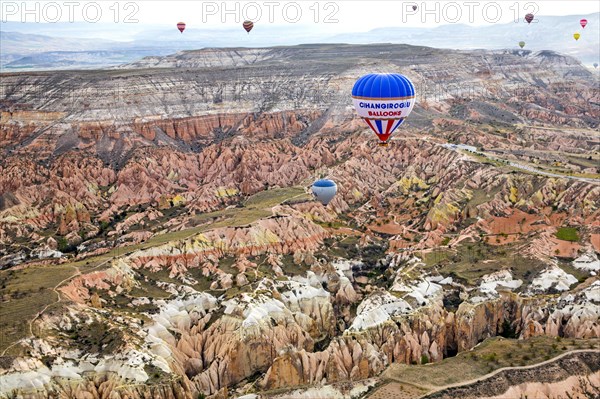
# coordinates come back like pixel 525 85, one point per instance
pixel 248 25
pixel 576 36
pixel 583 22
pixel 529 18
pixel 181 26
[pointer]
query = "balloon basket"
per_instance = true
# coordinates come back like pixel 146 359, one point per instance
pixel 383 144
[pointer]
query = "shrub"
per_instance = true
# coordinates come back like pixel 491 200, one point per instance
pixel 424 359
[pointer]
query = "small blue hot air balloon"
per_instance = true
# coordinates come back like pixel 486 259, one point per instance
pixel 383 101
pixel 324 190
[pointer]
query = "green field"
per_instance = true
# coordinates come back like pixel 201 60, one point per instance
pixel 567 234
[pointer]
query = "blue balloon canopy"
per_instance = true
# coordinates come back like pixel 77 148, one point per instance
pixel 383 85
pixel 324 183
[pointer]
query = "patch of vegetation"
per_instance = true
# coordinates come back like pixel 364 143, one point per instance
pixel 290 268
pixel 63 245
pixel 155 375
pixel 24 294
pixel 452 300
pixel 567 234
pixel 508 330
pixel 580 275
pixel 96 337
pixel 226 264
pixel 469 262
pixel 490 355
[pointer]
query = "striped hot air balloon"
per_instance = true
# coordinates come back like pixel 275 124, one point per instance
pixel 583 22
pixel 181 26
pixel 383 101
pixel 529 18
pixel 248 25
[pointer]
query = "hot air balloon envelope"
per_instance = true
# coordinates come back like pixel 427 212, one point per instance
pixel 248 25
pixel 576 36
pixel 181 26
pixel 583 22
pixel 324 190
pixel 529 18
pixel 595 65
pixel 383 101
pixel 414 8
pixel 521 44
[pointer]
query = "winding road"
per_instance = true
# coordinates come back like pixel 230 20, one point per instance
pixel 500 370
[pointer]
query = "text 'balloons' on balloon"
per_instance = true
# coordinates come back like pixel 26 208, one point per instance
pixel 529 18
pixel 576 36
pixel 521 44
pixel 383 101
pixel 583 22
pixel 181 26
pixel 324 190
pixel 248 25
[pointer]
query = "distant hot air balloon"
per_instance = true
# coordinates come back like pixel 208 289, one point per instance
pixel 595 65
pixel 576 36
pixel 583 22
pixel 414 8
pixel 181 26
pixel 521 44
pixel 529 18
pixel 248 25
pixel 324 190
pixel 383 101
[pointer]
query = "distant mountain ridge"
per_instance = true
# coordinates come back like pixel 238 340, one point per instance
pixel 22 48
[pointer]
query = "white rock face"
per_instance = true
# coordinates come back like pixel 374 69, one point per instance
pixel 589 262
pixel 377 309
pixel 502 278
pixel 128 365
pixel 592 293
pixel 46 253
pixel 423 292
pixel 328 392
pixel 553 277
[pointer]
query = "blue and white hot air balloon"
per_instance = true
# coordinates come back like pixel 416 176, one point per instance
pixel 324 190
pixel 383 101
